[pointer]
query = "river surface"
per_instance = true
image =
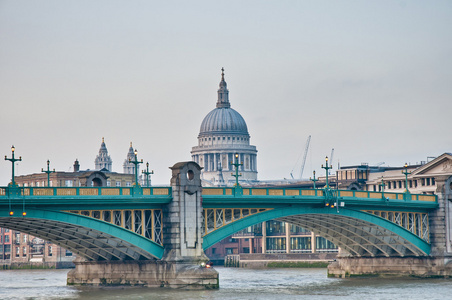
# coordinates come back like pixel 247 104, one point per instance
pixel 279 284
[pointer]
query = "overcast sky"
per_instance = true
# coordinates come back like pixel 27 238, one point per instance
pixel 371 79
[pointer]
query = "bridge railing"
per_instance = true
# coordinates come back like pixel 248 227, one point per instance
pixel 87 191
pixel 226 191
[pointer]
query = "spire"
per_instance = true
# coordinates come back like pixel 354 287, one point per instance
pixel 223 93
pixel 128 167
pixel 103 160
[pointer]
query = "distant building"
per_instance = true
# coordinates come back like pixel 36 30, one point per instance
pixel 102 176
pixel 129 168
pixel 222 135
pixel 422 177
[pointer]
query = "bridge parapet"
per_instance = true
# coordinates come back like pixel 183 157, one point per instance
pixel 87 191
pixel 287 192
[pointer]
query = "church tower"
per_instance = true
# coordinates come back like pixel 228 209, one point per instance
pixel 129 168
pixel 103 160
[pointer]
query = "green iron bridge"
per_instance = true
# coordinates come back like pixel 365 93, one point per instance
pixel 120 224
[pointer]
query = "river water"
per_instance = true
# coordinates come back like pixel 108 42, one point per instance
pixel 280 284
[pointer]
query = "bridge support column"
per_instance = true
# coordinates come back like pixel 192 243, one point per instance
pixel 389 266
pixel 182 230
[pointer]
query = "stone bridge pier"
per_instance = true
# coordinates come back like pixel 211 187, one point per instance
pixel 180 266
pixel 437 264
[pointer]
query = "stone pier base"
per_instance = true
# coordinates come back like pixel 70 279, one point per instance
pixel 391 266
pixel 143 273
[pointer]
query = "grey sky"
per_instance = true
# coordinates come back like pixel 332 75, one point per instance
pixel 373 79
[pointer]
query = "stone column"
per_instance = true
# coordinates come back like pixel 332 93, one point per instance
pixel 182 234
pixel 264 237
pixel 287 237
pixel 441 219
pixel 313 243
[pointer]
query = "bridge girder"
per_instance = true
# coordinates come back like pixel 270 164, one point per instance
pixel 90 238
pixel 357 232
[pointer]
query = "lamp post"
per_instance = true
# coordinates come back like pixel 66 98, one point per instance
pixel 406 178
pixel 326 167
pixel 236 165
pixel 13 160
pixel 136 163
pixel 382 186
pixel 147 173
pixel 48 172
pixel 313 180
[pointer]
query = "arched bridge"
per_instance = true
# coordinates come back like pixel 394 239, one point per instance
pixel 119 224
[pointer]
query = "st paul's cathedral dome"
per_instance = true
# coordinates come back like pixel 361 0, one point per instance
pixel 222 135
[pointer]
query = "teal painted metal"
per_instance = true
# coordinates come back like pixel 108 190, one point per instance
pixel 227 230
pixel 62 198
pixel 137 240
pixel 351 199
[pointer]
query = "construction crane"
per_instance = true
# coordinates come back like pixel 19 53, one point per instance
pixel 304 159
pixel 304 156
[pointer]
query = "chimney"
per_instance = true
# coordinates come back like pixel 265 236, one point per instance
pixel 76 166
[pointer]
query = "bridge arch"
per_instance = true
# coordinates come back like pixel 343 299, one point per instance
pixel 90 238
pixel 359 233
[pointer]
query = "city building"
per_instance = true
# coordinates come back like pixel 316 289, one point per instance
pixel 101 176
pixel 419 178
pixel 223 140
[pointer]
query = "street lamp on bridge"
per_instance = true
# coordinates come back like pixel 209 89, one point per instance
pixel 147 173
pixel 382 185
pixel 313 180
pixel 406 173
pixel 236 165
pixel 136 163
pixel 48 172
pixel 326 167
pixel 13 160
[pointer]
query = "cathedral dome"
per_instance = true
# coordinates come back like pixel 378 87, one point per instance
pixel 223 119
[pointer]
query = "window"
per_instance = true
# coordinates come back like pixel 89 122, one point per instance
pixel 300 243
pixel 214 250
pixel 50 250
pixel 108 183
pixel 17 252
pixel 128 184
pixel 24 238
pixel 428 181
pixel 68 253
pixel 68 183
pixel 229 250
pixel 118 183
pixel 24 251
pixel 6 238
pixel 433 181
